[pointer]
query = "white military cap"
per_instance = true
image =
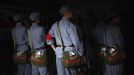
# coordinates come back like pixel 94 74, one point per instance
pixel 63 9
pixel 34 16
pixel 16 17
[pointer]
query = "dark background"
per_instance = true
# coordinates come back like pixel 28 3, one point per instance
pixel 52 6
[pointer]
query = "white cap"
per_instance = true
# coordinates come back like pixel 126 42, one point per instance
pixel 34 16
pixel 16 17
pixel 63 9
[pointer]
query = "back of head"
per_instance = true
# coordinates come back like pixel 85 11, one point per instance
pixel 114 18
pixel 34 16
pixel 17 17
pixel 64 9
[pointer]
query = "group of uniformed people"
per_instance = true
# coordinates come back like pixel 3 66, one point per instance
pixel 37 37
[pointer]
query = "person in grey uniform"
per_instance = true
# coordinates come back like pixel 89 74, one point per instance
pixel 38 42
pixel 109 35
pixel 70 39
pixel 19 33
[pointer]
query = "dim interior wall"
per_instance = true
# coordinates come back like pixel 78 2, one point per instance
pixel 81 7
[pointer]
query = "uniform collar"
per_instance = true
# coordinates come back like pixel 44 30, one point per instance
pixel 18 24
pixel 64 18
pixel 34 24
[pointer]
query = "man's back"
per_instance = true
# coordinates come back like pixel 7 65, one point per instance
pixel 37 33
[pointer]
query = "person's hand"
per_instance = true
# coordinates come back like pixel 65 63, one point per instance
pixel 114 53
pixel 112 58
pixel 19 54
pixel 101 53
pixel 54 49
pixel 84 59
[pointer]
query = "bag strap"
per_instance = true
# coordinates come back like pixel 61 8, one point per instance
pixel 59 34
pixel 30 40
pixel 105 35
pixel 14 41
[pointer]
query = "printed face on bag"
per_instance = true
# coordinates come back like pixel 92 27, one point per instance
pixel 38 54
pixel 19 53
pixel 71 53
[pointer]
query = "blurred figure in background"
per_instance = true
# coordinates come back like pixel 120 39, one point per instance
pixel 20 37
pixel 108 35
